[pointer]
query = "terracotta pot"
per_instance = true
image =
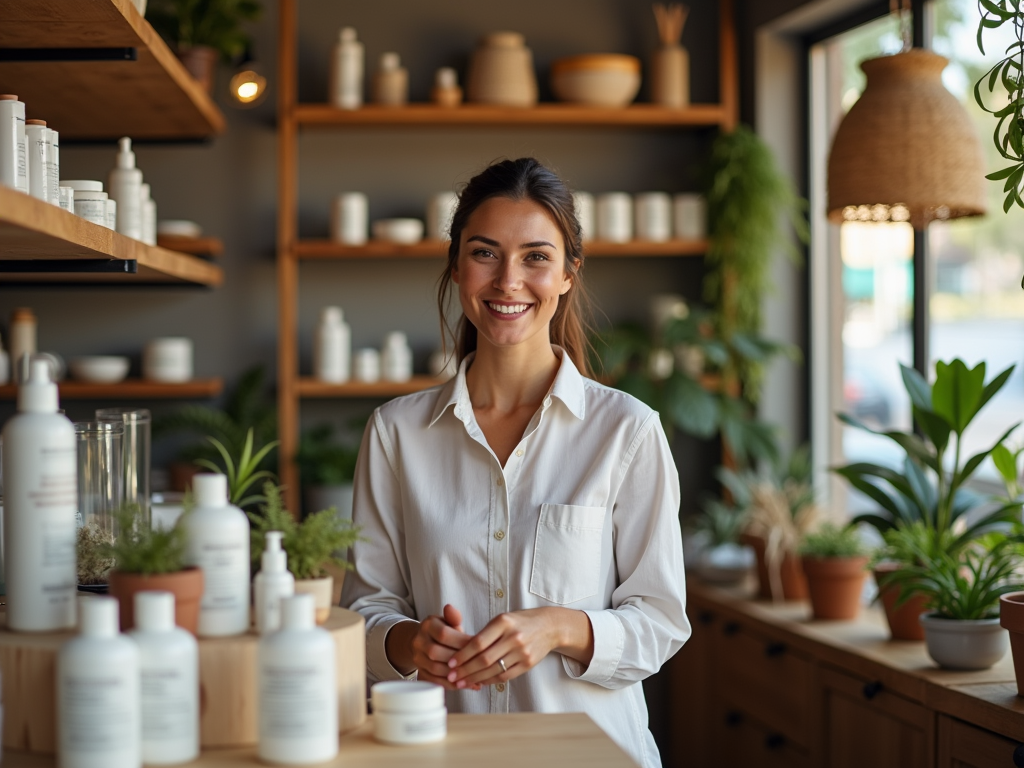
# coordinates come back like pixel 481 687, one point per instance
pixel 1011 618
pixel 201 63
pixel 181 473
pixel 904 621
pixel 186 586
pixel 835 585
pixel 791 574
pixel 322 590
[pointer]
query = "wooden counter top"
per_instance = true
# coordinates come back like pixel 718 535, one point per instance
pixel 987 698
pixel 497 741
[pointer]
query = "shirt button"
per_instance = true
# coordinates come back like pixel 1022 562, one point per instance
pixel 499 535
pixel 519 452
pixel 500 687
pixel 499 594
pixel 500 482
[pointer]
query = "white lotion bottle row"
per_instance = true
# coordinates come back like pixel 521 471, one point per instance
pixel 98 698
pixel 40 506
pixel 169 670
pixel 218 542
pixel 272 584
pixel 298 699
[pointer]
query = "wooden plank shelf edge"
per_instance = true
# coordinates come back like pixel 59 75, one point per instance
pixel 194 246
pixel 375 249
pixel 131 389
pixel 314 388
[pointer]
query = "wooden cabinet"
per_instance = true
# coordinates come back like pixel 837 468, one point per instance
pixel 746 743
pixel 961 745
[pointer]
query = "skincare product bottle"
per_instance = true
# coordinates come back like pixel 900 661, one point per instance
pixel 148 216
pixel 169 670
pixel 332 347
pixel 98 692
pixel 111 218
pixel 350 220
pixel 271 584
pixel 446 91
pixel 396 358
pixel 13 158
pixel 347 71
pixel 391 82
pixel 90 199
pixel 408 712
pixel 366 365
pixel 53 168
pixel 125 188
pixel 298 697
pixel 40 471
pixel 615 217
pixel 22 341
pixel 218 542
pixel 38 158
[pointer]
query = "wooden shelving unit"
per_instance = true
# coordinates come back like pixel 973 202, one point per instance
pixel 153 97
pixel 433 249
pixel 293 117
pixel 210 247
pixel 315 389
pixel 131 389
pixel 31 229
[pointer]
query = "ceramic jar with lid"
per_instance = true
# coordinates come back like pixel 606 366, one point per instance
pixel 501 72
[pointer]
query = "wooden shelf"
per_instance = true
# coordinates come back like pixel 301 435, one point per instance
pixel 131 389
pixel 31 229
pixel 433 249
pixel 196 246
pixel 314 388
pixel 153 97
pixel 542 115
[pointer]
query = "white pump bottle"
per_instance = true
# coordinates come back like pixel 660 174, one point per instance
pixel 271 584
pixel 125 187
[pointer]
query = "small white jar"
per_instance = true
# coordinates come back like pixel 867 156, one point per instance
pixel 67 198
pixel 584 204
pixel 440 211
pixel 689 216
pixel 366 365
pixel 168 360
pixel 111 213
pixel 654 216
pixel 396 358
pixel 350 218
pixel 90 201
pixel 615 217
pixel 408 712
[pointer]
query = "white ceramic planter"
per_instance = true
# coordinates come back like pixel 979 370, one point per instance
pixel 976 644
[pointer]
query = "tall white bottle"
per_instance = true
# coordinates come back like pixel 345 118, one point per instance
pixel 218 542
pixel 40 474
pixel 13 146
pixel 169 669
pixel 272 584
pixel 332 347
pixel 125 187
pixel 298 697
pixel 148 216
pixel 346 76
pixel 98 702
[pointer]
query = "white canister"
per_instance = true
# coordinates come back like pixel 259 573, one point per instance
pixel 366 365
pixel 396 358
pixel 346 76
pixel 148 215
pixel 615 217
pixel 168 359
pixel 653 216
pixel 90 200
pixel 53 168
pixel 690 216
pixel 440 211
pixel 584 204
pixel 111 214
pixel 408 712
pixel 13 160
pixel 38 139
pixel 67 198
pixel 332 347
pixel 350 218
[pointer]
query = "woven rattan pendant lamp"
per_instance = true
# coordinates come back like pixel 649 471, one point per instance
pixel 906 151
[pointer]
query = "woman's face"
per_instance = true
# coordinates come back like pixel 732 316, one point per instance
pixel 511 272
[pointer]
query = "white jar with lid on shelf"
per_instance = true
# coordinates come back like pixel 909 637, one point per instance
pixel 90 200
pixel 366 365
pixel 615 217
pixel 168 360
pixel 396 358
pixel 690 215
pixel 653 216
pixel 350 218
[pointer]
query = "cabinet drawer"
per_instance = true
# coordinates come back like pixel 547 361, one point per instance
pixel 773 683
pixel 967 746
pixel 747 742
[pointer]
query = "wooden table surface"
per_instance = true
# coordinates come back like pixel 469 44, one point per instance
pixel 497 741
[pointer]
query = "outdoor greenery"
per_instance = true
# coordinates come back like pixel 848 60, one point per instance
pixel 320 539
pixel 242 472
pixel 214 23
pixel 831 540
pixel 323 460
pixel 139 548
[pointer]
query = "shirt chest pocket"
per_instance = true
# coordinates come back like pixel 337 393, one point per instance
pixel 567 553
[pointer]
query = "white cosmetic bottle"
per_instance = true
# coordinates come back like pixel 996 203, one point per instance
pixel 125 187
pixel 98 710
pixel 13 157
pixel 53 168
pixel 218 542
pixel 38 142
pixel 272 584
pixel 332 347
pixel 169 669
pixel 298 698
pixel 148 216
pixel 396 358
pixel 40 472
pixel 346 76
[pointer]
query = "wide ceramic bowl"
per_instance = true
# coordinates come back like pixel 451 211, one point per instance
pixel 955 644
pixel 401 231
pixel 597 80
pixel 100 369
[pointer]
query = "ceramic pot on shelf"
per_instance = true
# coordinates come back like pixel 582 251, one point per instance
pixel 322 591
pixel 201 63
pixel 790 575
pixel 186 586
pixel 501 72
pixel 966 645
pixel 904 620
pixel 1011 618
pixel 835 585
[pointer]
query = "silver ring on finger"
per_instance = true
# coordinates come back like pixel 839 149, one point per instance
pixel 501 663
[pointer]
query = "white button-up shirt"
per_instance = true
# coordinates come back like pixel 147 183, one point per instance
pixel 584 515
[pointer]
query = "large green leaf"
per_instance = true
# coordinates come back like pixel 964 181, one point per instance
pixel 1006 463
pixel 935 428
pixel 691 407
pixel 911 444
pixel 956 394
pixel 916 386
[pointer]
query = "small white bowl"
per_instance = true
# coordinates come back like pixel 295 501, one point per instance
pixel 401 231
pixel 179 228
pixel 100 369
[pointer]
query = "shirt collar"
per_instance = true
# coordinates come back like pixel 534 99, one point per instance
pixel 567 387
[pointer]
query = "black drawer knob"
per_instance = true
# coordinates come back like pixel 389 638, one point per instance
pixel 774 740
pixel 731 628
pixel 733 718
pixel 872 689
pixel 772 650
pixel 1018 756
pixel 706 617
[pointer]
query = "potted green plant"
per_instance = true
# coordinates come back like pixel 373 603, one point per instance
pixel 312 545
pixel 201 31
pixel 833 559
pixel 929 487
pixel 243 472
pixel 963 586
pixel 327 468
pixel 148 558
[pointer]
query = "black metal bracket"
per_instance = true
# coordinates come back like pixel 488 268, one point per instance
pixel 64 266
pixel 69 54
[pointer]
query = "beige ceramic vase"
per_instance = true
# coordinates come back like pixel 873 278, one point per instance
pixel 501 72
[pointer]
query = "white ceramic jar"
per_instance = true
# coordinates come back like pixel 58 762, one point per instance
pixel 168 360
pixel 653 216
pixel 689 216
pixel 501 71
pixel 584 204
pixel 396 358
pixel 90 200
pixel 408 712
pixel 615 217
pixel 440 211
pixel 366 365
pixel 350 218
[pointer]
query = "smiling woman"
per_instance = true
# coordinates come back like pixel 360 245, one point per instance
pixel 522 541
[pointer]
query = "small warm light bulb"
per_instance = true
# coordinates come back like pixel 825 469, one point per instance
pixel 248 86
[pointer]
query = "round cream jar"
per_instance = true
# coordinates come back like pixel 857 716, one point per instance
pixel 408 712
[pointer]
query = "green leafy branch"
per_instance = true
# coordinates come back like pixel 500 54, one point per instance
pixel 243 473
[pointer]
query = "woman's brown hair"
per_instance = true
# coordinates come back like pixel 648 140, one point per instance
pixel 524 179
